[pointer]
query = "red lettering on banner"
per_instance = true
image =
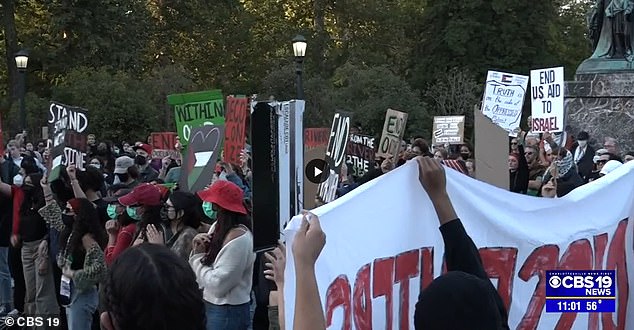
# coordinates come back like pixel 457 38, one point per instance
pixel 426 267
pixel 406 267
pixel 316 137
pixel 500 263
pixel 578 256
pixel 338 294
pixel 383 274
pixel 235 128
pixel 616 261
pixel 538 262
pixel 600 242
pixel 362 300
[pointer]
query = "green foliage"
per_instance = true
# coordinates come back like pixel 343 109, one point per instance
pixel 119 106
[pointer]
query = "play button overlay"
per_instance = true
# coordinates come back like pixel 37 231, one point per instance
pixel 317 171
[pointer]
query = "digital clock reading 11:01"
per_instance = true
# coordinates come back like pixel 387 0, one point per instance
pixel 580 291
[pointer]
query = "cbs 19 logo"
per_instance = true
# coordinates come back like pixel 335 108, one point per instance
pixel 600 285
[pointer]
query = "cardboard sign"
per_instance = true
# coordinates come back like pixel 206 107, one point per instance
pixel 547 100
pixel 316 137
pixel 503 100
pixel 192 110
pixel 200 161
pixel 69 139
pixel 359 154
pixel 235 124
pixel 393 130
pixel 492 145
pixel 448 129
pixel 335 155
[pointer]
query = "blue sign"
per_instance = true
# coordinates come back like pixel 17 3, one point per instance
pixel 581 291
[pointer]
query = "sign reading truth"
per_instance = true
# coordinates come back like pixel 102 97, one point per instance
pixel 503 100
pixel 192 110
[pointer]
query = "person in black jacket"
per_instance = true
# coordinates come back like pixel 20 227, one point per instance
pixel 464 297
pixel 518 171
pixel 567 177
pixel 583 155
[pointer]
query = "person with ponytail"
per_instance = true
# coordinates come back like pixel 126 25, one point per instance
pixel 223 259
pixel 81 256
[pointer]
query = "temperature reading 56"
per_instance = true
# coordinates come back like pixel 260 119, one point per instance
pixel 592 306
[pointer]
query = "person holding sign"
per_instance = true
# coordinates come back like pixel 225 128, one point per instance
pixel 464 297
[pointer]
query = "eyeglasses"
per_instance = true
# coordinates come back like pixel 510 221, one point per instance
pixel 513 143
pixel 528 153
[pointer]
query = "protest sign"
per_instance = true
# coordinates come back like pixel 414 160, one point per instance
pixel 196 109
pixel 393 130
pixel 372 280
pixel 235 124
pixel 335 155
pixel 68 125
pixel 315 143
pixel 448 129
pixel 164 145
pixel 503 100
pixel 316 137
pixel 547 100
pixel 200 161
pixel 359 154
pixel 492 145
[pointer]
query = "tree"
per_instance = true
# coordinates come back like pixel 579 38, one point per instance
pixel 455 94
pixel 119 106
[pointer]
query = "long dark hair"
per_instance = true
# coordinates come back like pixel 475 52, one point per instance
pixel 150 287
pixel 33 196
pixel 86 222
pixel 151 216
pixel 190 205
pixel 225 222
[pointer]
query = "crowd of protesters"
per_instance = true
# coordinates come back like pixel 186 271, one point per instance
pixel 116 245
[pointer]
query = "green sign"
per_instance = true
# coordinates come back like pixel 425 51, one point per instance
pixel 192 110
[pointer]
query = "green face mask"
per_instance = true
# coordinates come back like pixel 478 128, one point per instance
pixel 112 211
pixel 208 210
pixel 132 213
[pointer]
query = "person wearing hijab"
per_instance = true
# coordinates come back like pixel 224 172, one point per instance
pixel 568 178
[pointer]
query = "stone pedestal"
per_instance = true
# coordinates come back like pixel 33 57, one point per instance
pixel 603 105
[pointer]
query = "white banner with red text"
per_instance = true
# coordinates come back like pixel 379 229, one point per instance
pixel 383 245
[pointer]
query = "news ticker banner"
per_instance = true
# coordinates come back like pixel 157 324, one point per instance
pixel 580 291
pixel 365 285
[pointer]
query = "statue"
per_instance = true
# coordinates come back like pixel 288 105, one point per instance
pixel 611 29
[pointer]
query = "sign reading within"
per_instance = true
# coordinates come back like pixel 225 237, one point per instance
pixel 448 129
pixel 503 100
pixel 335 156
pixel 547 100
pixel 393 130
pixel 580 291
pixel 192 110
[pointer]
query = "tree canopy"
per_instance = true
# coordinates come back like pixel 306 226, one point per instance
pixel 119 59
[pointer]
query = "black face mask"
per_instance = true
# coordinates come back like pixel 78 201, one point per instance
pixel 464 155
pixel 68 220
pixel 140 160
pixel 122 177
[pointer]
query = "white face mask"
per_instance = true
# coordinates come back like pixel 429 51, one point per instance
pixel 18 180
pixel 96 165
pixel 582 143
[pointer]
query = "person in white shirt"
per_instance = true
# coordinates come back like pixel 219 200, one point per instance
pixel 223 259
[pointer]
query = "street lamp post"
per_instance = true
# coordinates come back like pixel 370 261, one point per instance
pixel 21 61
pixel 299 50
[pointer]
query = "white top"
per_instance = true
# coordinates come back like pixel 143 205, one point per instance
pixel 228 281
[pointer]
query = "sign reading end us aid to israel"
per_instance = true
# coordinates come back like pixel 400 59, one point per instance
pixel 580 291
pixel 547 100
